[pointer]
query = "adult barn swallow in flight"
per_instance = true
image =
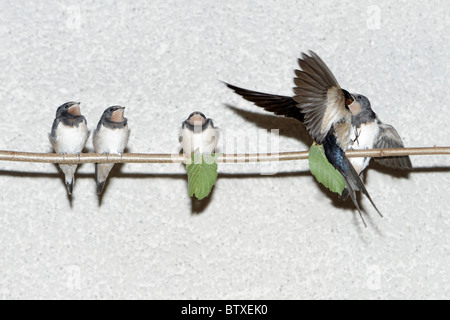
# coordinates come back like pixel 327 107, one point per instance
pixel 111 136
pixel 198 134
pixel 68 136
pixel 335 118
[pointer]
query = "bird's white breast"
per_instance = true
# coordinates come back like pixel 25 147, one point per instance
pixel 107 140
pixel 204 141
pixel 363 138
pixel 70 139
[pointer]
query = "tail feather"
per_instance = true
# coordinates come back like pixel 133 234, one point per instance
pixel 279 105
pixel 354 182
pixel 70 186
pixel 100 186
pixel 336 156
pixel 69 176
pixel 352 194
pixel 101 174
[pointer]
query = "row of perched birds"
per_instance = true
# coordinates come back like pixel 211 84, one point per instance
pixel 335 118
pixel 70 133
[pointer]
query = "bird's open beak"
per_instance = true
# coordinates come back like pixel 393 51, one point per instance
pixel 117 115
pixel 354 107
pixel 197 119
pixel 75 110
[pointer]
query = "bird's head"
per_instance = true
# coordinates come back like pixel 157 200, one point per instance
pixel 114 114
pixel 69 109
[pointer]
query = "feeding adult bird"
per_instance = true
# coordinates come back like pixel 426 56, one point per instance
pixel 198 134
pixel 68 136
pixel 335 118
pixel 110 137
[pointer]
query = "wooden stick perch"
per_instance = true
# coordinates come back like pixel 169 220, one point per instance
pixel 224 158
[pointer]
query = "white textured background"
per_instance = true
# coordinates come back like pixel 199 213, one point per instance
pixel 259 236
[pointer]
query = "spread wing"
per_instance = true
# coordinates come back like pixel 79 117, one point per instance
pixel 279 105
pixel 318 95
pixel 389 138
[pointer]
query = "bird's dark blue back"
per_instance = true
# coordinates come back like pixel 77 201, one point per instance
pixel 334 153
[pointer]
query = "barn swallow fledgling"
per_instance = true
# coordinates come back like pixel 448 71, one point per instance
pixel 335 118
pixel 68 136
pixel 198 134
pixel 111 136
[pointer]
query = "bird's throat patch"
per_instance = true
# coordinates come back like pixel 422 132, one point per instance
pixel 74 110
pixel 197 120
pixel 117 116
pixel 355 108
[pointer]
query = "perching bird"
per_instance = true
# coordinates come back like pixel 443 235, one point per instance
pixel 69 135
pixel 110 137
pixel 198 134
pixel 335 118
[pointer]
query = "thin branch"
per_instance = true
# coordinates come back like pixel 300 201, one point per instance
pixel 225 158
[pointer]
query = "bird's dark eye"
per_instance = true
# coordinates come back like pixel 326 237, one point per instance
pixel 359 97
